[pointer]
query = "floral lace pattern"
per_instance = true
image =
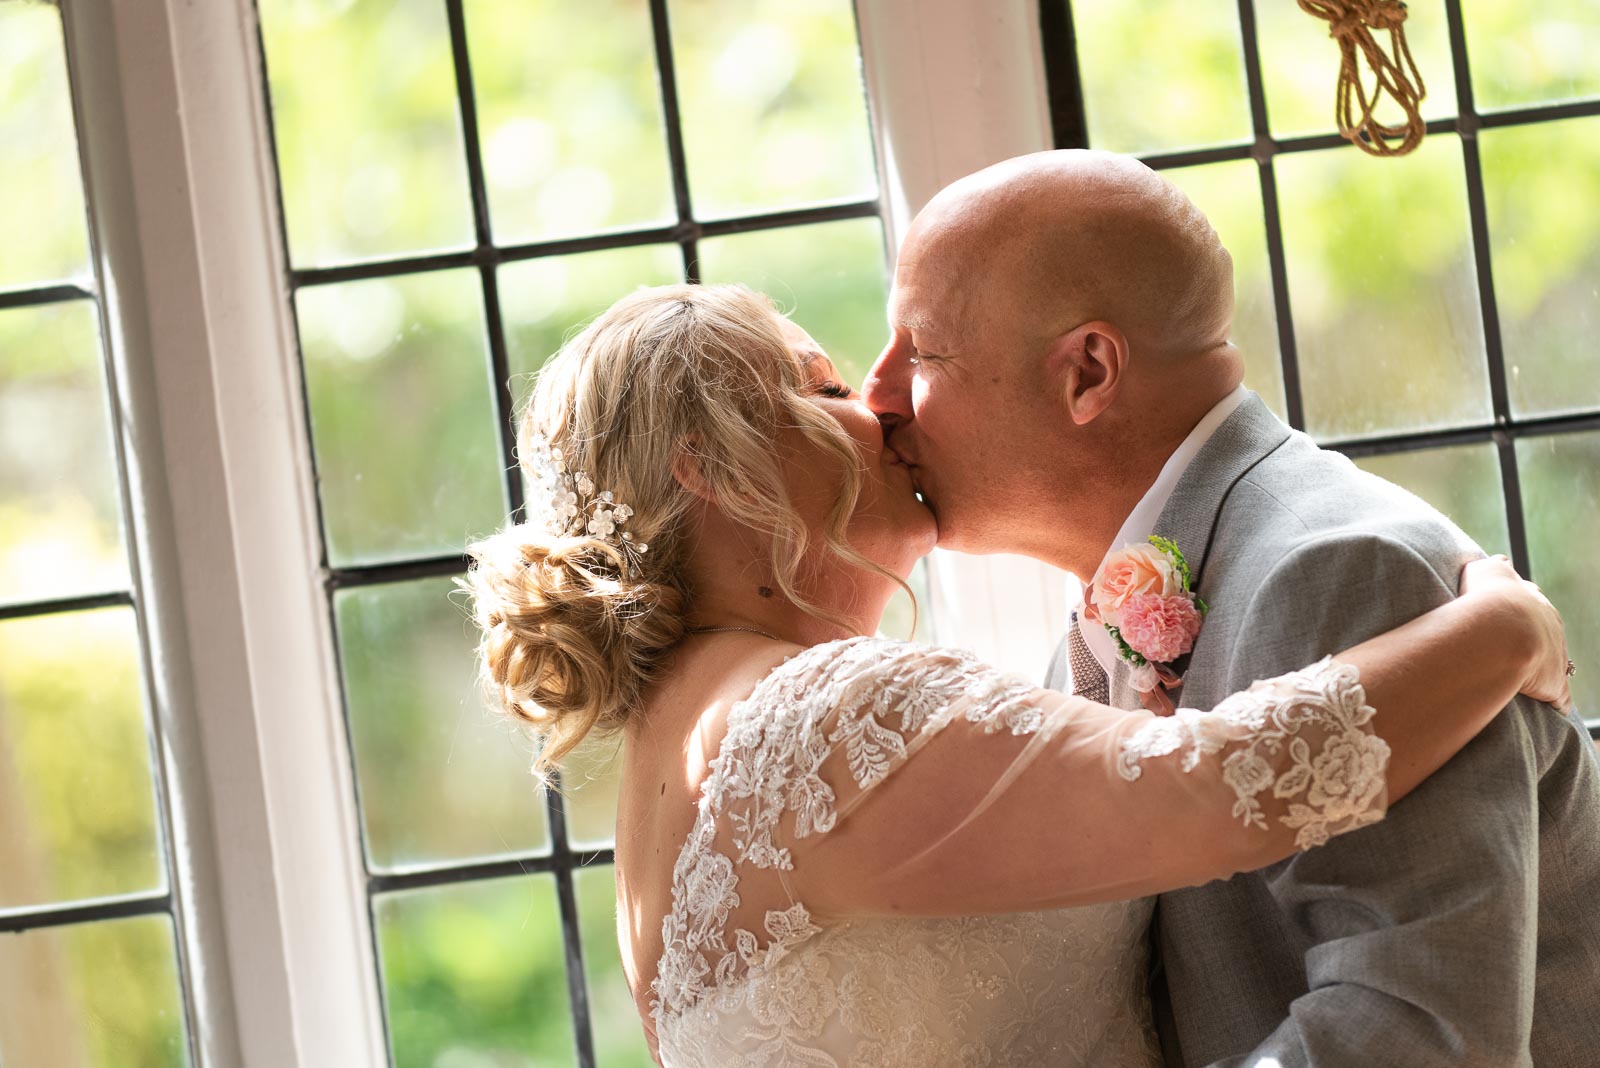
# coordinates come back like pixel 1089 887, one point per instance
pixel 1066 986
pixel 1340 787
pixel 769 761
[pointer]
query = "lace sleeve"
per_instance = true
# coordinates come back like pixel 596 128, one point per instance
pixel 878 777
pixel 1268 733
pixel 938 786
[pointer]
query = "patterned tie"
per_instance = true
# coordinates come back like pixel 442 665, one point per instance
pixel 1088 677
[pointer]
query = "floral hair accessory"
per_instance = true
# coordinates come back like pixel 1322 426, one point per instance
pixel 571 505
pixel 1142 595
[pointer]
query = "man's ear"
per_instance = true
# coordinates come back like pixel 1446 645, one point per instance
pixel 1086 366
pixel 688 470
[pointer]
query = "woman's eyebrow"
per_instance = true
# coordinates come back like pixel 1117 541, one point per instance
pixel 810 356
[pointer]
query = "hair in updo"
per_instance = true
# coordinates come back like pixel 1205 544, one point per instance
pixel 575 629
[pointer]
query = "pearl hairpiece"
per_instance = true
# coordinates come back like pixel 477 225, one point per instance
pixel 572 506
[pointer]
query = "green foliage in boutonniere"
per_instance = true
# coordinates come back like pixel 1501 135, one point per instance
pixel 1181 565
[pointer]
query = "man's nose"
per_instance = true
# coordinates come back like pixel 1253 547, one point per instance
pixel 887 389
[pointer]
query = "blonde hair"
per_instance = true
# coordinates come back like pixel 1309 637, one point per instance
pixel 573 629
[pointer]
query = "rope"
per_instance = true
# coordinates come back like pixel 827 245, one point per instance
pixel 1352 24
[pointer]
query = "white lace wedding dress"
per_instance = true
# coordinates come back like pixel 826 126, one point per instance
pixel 853 891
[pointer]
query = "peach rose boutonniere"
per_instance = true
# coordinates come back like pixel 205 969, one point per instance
pixel 1142 596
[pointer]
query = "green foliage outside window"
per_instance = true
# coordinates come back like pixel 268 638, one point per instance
pixel 402 408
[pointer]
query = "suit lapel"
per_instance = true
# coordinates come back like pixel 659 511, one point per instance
pixel 1243 440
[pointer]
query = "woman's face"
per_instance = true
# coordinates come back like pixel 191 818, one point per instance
pixel 890 526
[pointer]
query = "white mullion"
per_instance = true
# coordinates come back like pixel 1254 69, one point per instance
pixel 271 897
pixel 185 817
pixel 955 86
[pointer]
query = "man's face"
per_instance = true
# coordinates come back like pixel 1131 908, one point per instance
pixel 947 389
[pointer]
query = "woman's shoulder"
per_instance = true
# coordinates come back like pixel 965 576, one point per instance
pixel 905 685
pixel 866 696
pixel 839 668
pixel 785 714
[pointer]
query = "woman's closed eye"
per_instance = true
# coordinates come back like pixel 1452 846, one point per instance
pixel 837 390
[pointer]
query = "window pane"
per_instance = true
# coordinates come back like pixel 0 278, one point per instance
pixel 75 776
pixel 618 1033
pixel 475 974
pixel 402 415
pixel 569 109
pixel 1462 482
pixel 1300 66
pixel 442 775
pixel 1561 498
pixel 1532 53
pixel 60 528
pixel 41 197
pixel 1542 184
pixel 774 111
pixel 591 776
pixel 1384 291
pixel 1195 96
pixel 829 277
pixel 96 995
pixel 369 138
pixel 1230 195
pixel 545 301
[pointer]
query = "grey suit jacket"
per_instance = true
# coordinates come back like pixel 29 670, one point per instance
pixel 1463 929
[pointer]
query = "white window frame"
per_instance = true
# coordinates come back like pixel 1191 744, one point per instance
pixel 169 98
pixel 954 87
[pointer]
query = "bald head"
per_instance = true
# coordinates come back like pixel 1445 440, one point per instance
pixel 1056 239
pixel 1059 323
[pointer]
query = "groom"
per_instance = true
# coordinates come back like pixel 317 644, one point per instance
pixel 1061 376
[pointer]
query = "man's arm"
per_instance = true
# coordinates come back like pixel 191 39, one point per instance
pixel 1422 928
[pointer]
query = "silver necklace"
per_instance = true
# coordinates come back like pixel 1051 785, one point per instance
pixel 748 630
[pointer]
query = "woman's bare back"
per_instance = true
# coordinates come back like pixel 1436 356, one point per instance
pixel 667 753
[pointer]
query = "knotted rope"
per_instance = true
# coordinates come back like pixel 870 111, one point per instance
pixel 1352 24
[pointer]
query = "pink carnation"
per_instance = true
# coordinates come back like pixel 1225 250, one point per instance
pixel 1160 629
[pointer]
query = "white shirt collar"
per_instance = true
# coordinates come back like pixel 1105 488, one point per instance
pixel 1141 522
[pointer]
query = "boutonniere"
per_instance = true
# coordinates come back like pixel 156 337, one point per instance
pixel 1142 596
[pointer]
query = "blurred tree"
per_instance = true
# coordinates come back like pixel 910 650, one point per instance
pixel 402 415
pixel 368 136
pixel 1532 53
pixel 573 140
pixel 442 776
pixel 41 209
pixel 60 520
pixel 474 975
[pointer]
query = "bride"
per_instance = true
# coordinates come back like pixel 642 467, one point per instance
pixel 840 849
